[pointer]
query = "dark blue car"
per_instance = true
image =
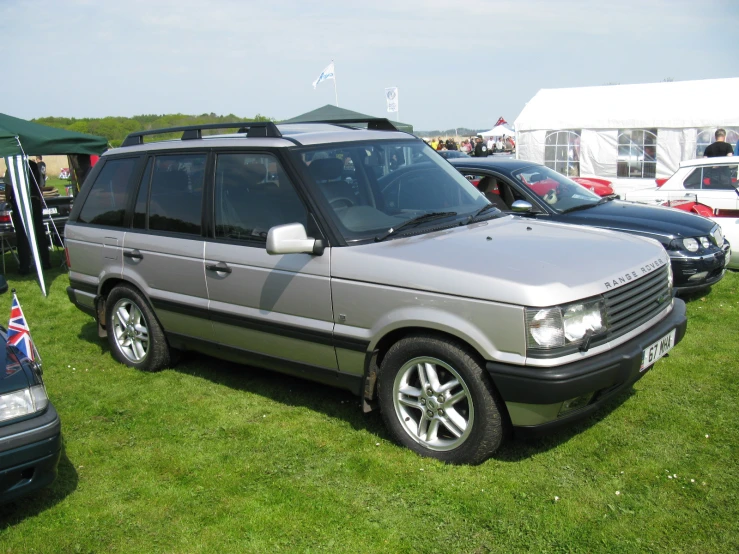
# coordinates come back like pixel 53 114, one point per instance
pixel 696 246
pixel 30 430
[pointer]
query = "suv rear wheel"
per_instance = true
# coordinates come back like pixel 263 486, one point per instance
pixel 437 401
pixel 134 334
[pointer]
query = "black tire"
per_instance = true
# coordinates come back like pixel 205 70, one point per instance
pixel 473 401
pixel 151 354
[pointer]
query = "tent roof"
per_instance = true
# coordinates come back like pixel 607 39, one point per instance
pixel 705 103
pixel 332 113
pixel 499 131
pixel 40 139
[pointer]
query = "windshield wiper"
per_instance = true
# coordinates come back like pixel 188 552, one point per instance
pixel 481 211
pixel 580 207
pixel 411 222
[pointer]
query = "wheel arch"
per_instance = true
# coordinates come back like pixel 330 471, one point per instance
pixel 381 347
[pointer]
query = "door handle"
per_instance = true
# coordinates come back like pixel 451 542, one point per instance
pixel 133 254
pixel 219 267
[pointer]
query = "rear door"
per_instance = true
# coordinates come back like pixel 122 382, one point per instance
pixel 95 240
pixel 275 307
pixel 163 250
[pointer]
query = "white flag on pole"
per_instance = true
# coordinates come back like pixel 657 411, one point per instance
pixel 327 73
pixel 391 95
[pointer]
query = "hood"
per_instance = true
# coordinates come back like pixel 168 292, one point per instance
pixel 658 222
pixel 510 260
pixel 15 374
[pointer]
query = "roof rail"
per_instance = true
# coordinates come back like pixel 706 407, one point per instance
pixel 192 132
pixel 373 123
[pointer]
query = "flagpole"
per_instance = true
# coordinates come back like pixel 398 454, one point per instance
pixel 335 92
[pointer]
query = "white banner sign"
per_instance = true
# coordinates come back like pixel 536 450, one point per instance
pixel 391 95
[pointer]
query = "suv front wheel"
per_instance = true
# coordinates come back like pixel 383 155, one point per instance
pixel 134 334
pixel 437 401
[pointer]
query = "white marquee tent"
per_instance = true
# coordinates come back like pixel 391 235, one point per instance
pixel 628 134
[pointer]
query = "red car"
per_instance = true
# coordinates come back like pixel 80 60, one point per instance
pixel 601 187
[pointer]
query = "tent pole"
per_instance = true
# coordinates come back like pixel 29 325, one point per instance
pixel 335 92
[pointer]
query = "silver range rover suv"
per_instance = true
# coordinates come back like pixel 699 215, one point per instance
pixel 353 254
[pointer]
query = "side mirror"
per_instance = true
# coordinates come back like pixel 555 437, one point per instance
pixel 522 207
pixel 3 285
pixel 292 239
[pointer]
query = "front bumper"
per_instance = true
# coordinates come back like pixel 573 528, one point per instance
pixel 534 396
pixel 695 272
pixel 29 454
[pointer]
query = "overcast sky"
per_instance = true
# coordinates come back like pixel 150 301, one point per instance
pixel 456 63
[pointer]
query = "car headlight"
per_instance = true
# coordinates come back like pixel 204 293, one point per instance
pixel 23 402
pixel 705 242
pixel 691 245
pixel 564 325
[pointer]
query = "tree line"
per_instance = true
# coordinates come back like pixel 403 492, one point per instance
pixel 115 129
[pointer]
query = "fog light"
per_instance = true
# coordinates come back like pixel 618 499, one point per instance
pixel 575 404
pixel 698 276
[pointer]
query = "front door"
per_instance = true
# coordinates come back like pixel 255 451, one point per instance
pixel 275 307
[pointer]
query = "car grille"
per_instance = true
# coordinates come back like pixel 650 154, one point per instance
pixel 636 303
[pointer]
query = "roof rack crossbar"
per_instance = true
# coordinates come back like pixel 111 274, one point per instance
pixel 193 132
pixel 373 123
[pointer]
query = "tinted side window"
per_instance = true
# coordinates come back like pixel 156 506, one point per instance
pixel 175 202
pixel 108 197
pixel 253 194
pixel 693 181
pixel 719 177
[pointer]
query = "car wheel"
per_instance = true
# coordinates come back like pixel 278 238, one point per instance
pixel 134 334
pixel 436 399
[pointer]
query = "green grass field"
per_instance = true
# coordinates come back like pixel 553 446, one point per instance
pixel 214 457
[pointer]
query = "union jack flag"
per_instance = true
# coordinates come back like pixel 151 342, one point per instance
pixel 19 335
pixel 500 121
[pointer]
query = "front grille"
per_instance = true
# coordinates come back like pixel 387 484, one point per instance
pixel 636 303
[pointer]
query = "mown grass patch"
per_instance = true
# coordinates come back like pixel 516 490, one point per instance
pixel 213 456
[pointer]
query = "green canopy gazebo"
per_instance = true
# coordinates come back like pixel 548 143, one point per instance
pixel 18 140
pixel 334 113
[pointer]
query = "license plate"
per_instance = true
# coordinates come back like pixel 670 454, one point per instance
pixel 656 350
pixel 50 211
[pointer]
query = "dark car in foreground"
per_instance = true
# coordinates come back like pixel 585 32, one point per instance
pixel 696 245
pixel 30 429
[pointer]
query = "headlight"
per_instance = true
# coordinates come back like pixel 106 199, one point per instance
pixel 691 245
pixel 705 243
pixel 23 402
pixel 546 329
pixel 561 326
pixel 581 318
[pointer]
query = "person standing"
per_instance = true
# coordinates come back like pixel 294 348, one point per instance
pixel 720 147
pixel 42 170
pixel 481 150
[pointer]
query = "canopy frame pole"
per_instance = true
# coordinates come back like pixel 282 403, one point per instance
pixel 335 92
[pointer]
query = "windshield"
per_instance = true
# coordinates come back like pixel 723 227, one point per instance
pixel 371 187
pixel 558 191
